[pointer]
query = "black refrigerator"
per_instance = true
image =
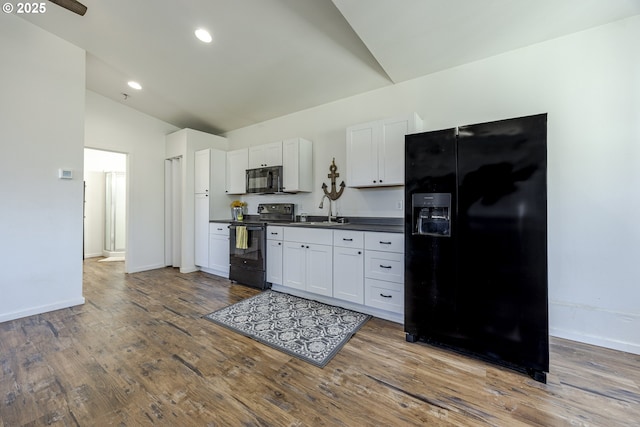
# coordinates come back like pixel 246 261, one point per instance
pixel 476 241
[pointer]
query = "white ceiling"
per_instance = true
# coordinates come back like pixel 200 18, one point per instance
pixel 270 58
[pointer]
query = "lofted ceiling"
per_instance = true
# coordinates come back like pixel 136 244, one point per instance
pixel 270 58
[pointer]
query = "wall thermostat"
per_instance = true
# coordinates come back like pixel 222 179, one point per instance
pixel 65 174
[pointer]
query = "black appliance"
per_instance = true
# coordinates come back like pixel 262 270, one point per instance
pixel 476 241
pixel 267 180
pixel 247 266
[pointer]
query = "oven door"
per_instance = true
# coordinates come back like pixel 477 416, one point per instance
pixel 252 257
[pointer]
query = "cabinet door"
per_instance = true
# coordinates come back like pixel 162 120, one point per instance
pixel 274 262
pixel 201 227
pixel 362 155
pixel 273 154
pixel 201 170
pixel 237 163
pixel 319 277
pixel 219 253
pixel 294 265
pixel 391 151
pixel 218 200
pixel 297 165
pixel 256 157
pixel 265 155
pixel 348 274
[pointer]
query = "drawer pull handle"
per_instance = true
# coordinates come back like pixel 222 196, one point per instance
pixel 347 240
pixel 385 243
pixel 219 229
pixel 385 266
pixel 274 234
pixel 386 296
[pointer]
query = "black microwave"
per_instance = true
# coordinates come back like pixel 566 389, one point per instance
pixel 264 180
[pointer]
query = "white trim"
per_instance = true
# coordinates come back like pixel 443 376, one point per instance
pixel 41 309
pixel 146 268
pixel 595 325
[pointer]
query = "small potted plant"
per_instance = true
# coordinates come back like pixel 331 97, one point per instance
pixel 237 210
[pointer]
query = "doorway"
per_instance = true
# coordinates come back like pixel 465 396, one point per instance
pixel 105 225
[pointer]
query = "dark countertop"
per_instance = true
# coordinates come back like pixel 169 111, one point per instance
pixel 385 228
pixel 376 224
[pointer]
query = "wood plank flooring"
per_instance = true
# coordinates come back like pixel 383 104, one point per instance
pixel 138 353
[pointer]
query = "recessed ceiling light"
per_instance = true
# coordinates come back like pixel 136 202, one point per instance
pixel 134 85
pixel 203 35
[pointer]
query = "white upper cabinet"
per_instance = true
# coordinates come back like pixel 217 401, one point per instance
pixel 297 165
pixel 201 167
pixel 375 151
pixel 265 155
pixel 237 165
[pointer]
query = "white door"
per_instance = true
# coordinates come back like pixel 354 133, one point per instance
pixel 219 254
pixel 391 151
pixel 201 228
pixel 294 265
pixel 237 163
pixel 362 155
pixel 274 262
pixel 201 171
pixel 348 274
pixel 319 274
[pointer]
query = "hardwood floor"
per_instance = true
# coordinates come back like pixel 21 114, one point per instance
pixel 139 353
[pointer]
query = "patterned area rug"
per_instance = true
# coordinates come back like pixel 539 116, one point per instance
pixel 309 330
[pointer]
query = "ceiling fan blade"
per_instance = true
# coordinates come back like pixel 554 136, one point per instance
pixel 72 5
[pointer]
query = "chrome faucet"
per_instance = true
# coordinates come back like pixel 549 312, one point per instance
pixel 330 206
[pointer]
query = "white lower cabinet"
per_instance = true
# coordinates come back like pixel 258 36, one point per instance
pixel 294 270
pixel 348 265
pixel 274 255
pixel 218 249
pixel 384 295
pixel 384 271
pixel 308 267
pixel 308 260
pixel 359 270
pixel 319 263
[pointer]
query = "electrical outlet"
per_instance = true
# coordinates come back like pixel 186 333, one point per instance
pixel 399 205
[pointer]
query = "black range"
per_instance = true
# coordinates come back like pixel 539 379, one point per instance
pixel 248 240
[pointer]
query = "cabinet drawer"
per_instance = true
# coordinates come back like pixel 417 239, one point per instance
pixel 275 233
pixel 390 242
pixel 308 235
pixel 221 228
pixel 384 266
pixel 348 239
pixel 385 295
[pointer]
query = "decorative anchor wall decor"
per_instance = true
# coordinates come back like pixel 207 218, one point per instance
pixel 333 194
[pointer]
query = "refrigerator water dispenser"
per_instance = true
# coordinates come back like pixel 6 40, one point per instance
pixel 431 214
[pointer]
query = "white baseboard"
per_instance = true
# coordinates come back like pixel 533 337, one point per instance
pixel 41 309
pixel 97 254
pixel 594 325
pixel 131 269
